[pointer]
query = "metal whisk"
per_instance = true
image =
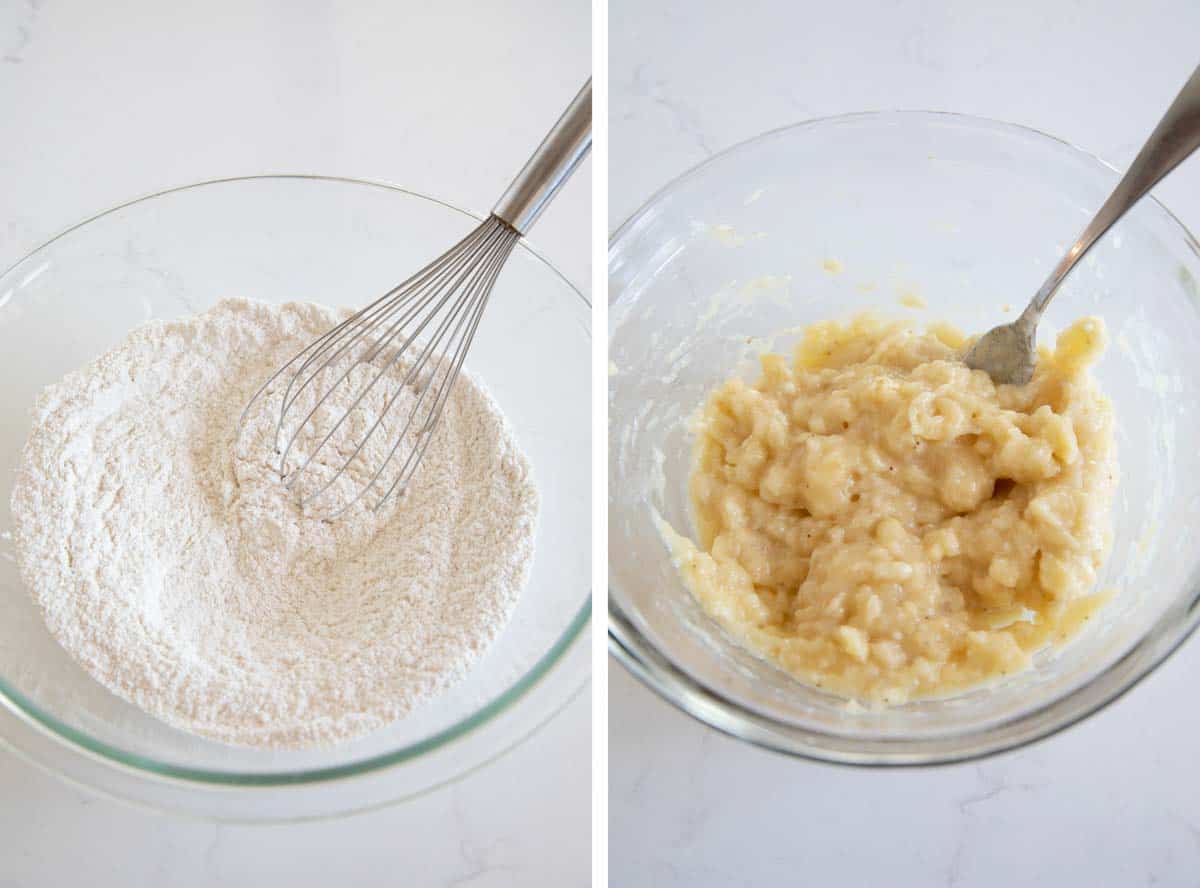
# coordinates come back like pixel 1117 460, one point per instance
pixel 414 338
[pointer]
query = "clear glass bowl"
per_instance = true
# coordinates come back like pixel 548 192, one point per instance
pixel 338 242
pixel 969 215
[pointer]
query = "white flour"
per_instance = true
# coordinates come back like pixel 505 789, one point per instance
pixel 177 569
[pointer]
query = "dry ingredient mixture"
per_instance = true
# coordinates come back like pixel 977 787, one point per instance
pixel 177 569
pixel 885 523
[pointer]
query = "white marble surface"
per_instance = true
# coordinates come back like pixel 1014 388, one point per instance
pixel 102 102
pixel 1111 802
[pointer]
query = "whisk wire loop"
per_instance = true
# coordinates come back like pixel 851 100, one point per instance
pixel 460 271
pixel 415 339
pixel 460 353
pixel 472 297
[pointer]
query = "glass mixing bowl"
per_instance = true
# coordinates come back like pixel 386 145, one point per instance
pixel 338 242
pixel 841 215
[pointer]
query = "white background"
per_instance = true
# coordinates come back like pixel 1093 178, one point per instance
pixel 1114 802
pixel 102 102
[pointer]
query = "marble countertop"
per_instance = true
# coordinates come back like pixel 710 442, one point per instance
pixel 106 102
pixel 1109 802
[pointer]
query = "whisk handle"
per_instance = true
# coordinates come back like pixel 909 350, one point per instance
pixel 550 166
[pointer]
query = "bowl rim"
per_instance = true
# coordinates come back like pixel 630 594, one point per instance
pixel 165 771
pixel 654 669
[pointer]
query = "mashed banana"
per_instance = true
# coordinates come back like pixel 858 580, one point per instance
pixel 883 522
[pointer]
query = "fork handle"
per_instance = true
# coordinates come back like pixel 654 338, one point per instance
pixel 548 169
pixel 1176 136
